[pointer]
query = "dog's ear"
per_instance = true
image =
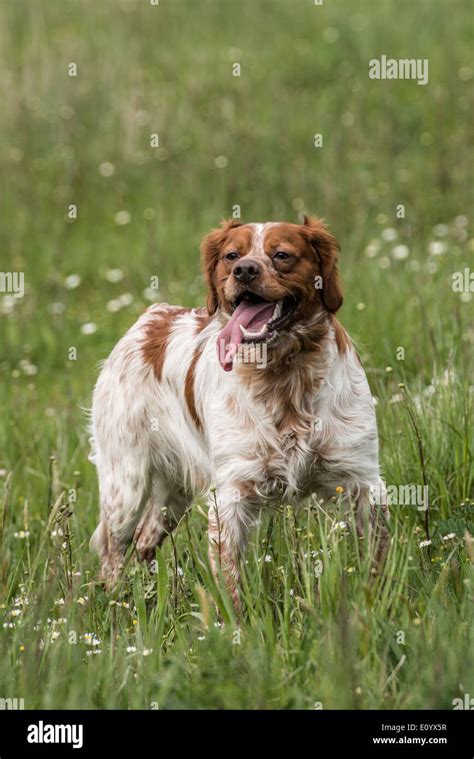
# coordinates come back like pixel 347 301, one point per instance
pixel 210 250
pixel 326 248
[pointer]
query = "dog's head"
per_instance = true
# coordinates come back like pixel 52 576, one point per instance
pixel 270 278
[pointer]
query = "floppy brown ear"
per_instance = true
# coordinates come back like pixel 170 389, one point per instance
pixel 327 249
pixel 210 249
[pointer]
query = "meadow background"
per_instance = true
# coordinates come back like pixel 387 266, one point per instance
pixel 309 638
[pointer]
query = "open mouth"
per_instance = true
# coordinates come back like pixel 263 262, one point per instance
pixel 253 312
pixel 254 320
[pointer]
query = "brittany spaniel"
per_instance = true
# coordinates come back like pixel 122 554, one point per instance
pixel 255 400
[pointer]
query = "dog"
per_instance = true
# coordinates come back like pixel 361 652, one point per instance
pixel 258 399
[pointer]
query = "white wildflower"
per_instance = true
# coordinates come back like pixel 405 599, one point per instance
pixel 437 248
pixel 150 294
pixel 73 281
pixel 122 217
pixel 389 234
pixel 106 169
pixel 89 328
pixel 8 304
pixel 221 161
pixel 400 252
pixel 113 306
pixel 114 275
pixel 126 299
pixel 91 639
pixel 372 249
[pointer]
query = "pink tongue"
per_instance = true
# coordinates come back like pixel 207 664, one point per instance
pixel 252 316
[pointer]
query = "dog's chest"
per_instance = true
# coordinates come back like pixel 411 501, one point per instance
pixel 286 458
pixel 272 437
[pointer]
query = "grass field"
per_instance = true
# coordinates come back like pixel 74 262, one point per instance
pixel 317 632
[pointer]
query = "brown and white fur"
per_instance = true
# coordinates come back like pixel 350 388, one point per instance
pixel 170 423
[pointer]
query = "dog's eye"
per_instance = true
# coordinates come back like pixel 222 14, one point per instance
pixel 281 255
pixel 232 256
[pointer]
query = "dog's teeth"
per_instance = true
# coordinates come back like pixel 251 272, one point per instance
pixel 277 310
pixel 248 333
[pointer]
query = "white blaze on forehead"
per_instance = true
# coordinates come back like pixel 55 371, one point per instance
pixel 259 231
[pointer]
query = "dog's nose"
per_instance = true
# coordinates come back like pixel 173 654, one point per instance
pixel 245 271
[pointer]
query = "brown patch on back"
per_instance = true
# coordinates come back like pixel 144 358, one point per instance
pixel 189 389
pixel 202 320
pixel 157 333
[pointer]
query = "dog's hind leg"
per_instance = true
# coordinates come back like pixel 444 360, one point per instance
pixel 124 487
pixel 165 508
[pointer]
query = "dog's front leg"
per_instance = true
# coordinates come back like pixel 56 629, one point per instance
pixel 229 524
pixel 372 517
